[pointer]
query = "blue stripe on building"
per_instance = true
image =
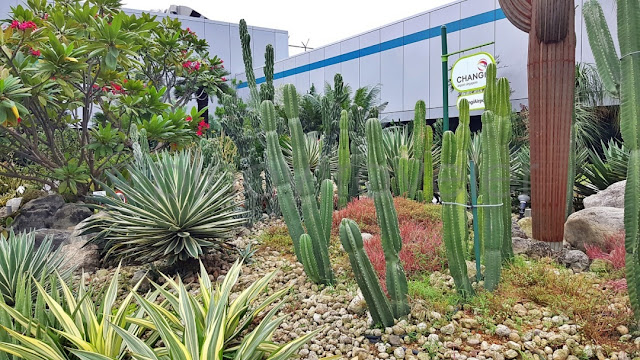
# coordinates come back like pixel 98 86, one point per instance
pixel 468 22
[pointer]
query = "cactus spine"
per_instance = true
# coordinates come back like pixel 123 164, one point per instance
pixel 344 161
pixel 365 275
pixel 387 218
pixel 454 233
pixel 281 176
pixel 621 77
pixel 305 187
pixel 496 97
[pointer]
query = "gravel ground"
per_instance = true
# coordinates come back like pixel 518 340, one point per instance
pixel 341 312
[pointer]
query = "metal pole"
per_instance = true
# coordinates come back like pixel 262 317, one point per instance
pixel 445 79
pixel 474 211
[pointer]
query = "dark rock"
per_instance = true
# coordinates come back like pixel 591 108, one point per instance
pixel 58 237
pixel 516 231
pixel 575 260
pixel 70 215
pixel 532 248
pixel 38 213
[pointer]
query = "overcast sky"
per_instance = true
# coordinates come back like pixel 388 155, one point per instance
pixel 318 22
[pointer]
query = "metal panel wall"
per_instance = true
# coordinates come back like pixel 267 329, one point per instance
pixel 404 57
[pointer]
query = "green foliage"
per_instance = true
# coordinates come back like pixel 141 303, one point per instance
pixel 211 324
pixel 379 186
pixel 365 275
pixel 19 258
pixel 58 60
pixel 175 215
pixel 619 76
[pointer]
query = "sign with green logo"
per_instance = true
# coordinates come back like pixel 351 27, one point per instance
pixel 468 72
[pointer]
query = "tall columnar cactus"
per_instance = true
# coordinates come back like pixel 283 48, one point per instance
pixel 454 233
pixel 419 142
pixel 491 190
pixel 245 41
pixel 402 175
pixel 267 90
pixel 551 83
pixel 427 176
pixel 463 141
pixel 365 275
pixel 281 176
pixel 496 99
pixel 621 76
pixel 344 161
pixel 387 218
pixel 304 181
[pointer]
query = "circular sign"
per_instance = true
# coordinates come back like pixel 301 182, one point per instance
pixel 469 71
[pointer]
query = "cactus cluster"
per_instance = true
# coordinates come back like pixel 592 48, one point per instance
pixel 313 251
pixel 267 91
pixel 344 161
pixel 496 97
pixel 495 177
pixel 379 187
pixel 620 76
pixel 453 186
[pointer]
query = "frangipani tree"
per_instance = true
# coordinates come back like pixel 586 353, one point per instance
pixel 76 77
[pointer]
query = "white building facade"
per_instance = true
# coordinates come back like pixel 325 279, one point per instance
pixel 404 57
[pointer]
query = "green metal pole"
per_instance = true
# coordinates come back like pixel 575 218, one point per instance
pixel 474 211
pixel 445 79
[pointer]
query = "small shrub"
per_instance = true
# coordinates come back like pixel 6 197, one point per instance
pixel 277 237
pixel 19 258
pixel 437 299
pixel 32 194
pixel 615 251
pixel 422 250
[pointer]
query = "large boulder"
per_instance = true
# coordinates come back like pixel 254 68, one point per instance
pixel 78 253
pixel 38 213
pixel 613 196
pixel 58 237
pixel 593 226
pixel 70 215
pixel 575 260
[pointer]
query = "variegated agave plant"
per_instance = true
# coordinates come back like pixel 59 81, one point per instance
pixel 176 214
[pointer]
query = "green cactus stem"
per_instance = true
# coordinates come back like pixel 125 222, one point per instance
pixel 454 233
pixel 387 218
pixel 620 76
pixel 308 259
pixel 326 208
pixel 305 186
pixel 281 176
pixel 427 176
pixel 365 275
pixel 344 161
pixel 492 194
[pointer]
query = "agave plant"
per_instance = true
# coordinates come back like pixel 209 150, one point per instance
pixel 212 324
pixel 175 215
pixel 603 170
pixel 19 258
pixel 82 327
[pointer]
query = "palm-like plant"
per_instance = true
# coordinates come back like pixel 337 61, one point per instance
pixel 20 258
pixel 175 215
pixel 314 143
pixel 211 325
pixel 603 170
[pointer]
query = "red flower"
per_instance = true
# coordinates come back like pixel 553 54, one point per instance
pixel 224 79
pixel 203 125
pixel 221 61
pixel 15 24
pixel 95 86
pixel 125 81
pixel 45 17
pixel 188 118
pixel 199 132
pixel 27 25
pixel 34 52
pixel 19 120
pixel 196 66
